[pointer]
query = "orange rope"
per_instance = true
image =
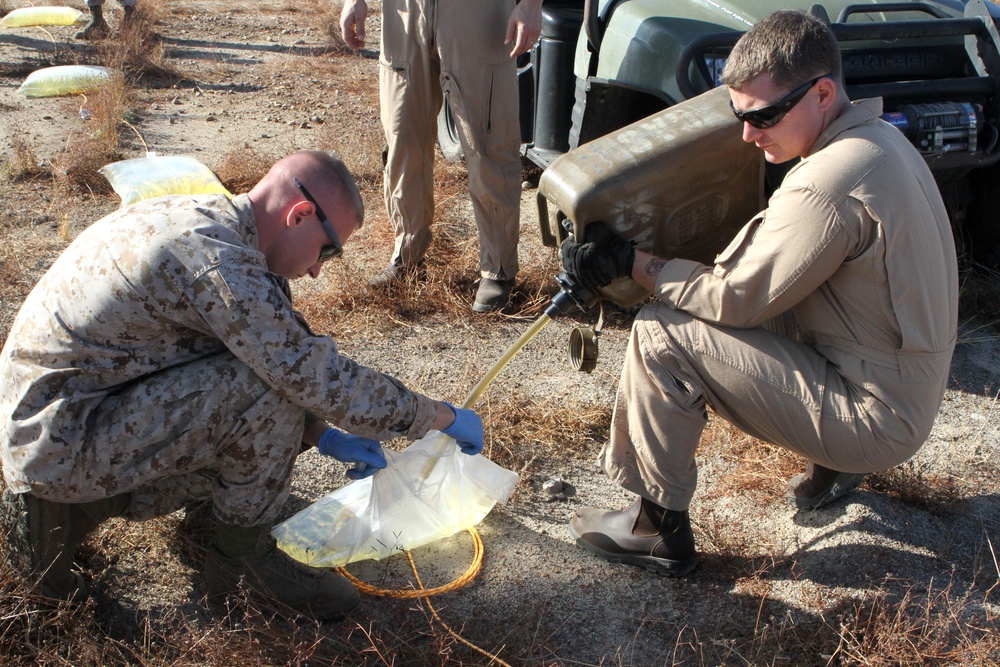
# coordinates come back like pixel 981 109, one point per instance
pixel 421 592
pixel 470 574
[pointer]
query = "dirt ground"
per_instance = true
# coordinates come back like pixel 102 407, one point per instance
pixel 775 586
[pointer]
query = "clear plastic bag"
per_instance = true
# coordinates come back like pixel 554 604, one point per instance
pixel 427 492
pixel 31 16
pixel 157 176
pixel 64 80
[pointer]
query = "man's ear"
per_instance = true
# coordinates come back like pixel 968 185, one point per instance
pixel 827 91
pixel 298 212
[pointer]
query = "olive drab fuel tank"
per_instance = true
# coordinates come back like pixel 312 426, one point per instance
pixel 679 183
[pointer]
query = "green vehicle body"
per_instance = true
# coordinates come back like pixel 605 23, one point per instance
pixel 644 39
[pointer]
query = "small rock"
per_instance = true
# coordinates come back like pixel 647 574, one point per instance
pixel 178 100
pixel 554 489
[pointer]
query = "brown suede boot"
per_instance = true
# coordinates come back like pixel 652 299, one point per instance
pixel 645 535
pixel 252 556
pixel 42 538
pixel 492 295
pixel 818 486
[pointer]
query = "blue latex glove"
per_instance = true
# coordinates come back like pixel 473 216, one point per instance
pixel 467 430
pixel 365 454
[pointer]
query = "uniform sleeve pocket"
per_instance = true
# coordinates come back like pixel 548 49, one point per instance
pixel 727 260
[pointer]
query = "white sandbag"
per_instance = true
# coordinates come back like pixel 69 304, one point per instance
pixel 427 492
pixel 156 176
pixel 32 16
pixel 64 80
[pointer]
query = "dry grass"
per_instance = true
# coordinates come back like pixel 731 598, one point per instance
pixel 932 627
pixel 520 430
pixel 134 55
pixel 75 167
pixel 136 50
pixel 241 169
pixel 35 631
pixel 23 163
pixel 241 630
pixel 758 469
pixel 911 484
pixel 890 625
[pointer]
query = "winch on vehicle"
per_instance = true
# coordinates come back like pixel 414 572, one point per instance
pixel 936 129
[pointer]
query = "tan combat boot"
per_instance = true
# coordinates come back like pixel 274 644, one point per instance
pixel 98 28
pixel 252 556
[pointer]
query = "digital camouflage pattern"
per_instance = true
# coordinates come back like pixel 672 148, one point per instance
pixel 159 329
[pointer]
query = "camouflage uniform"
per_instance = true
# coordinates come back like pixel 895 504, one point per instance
pixel 159 356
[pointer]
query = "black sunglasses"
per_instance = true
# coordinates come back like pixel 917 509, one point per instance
pixel 334 249
pixel 771 115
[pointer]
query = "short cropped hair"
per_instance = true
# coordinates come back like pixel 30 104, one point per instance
pixel 791 46
pixel 331 163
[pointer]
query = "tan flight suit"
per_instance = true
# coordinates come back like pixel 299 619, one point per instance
pixel 855 244
pixel 158 356
pixel 455 47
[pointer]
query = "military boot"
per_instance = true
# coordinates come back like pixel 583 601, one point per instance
pixel 645 535
pixel 42 538
pixel 129 17
pixel 98 28
pixel 492 295
pixel 251 555
pixel 818 486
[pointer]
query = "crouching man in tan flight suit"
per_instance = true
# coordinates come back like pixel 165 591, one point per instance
pixel 159 364
pixel 855 247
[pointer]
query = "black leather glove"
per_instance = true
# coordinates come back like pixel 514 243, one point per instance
pixel 598 261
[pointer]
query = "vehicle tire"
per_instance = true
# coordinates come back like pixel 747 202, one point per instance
pixel 980 238
pixel 448 141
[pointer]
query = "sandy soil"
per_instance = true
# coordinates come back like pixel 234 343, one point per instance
pixel 265 77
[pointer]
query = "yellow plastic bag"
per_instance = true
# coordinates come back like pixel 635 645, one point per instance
pixel 30 16
pixel 156 176
pixel 427 492
pixel 64 80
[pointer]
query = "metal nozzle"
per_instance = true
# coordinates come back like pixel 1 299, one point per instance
pixel 570 295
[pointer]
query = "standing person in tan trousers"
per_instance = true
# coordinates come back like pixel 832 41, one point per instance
pixel 855 248
pixel 463 50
